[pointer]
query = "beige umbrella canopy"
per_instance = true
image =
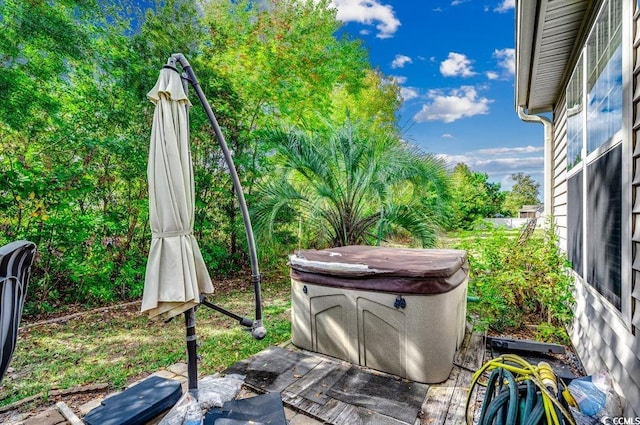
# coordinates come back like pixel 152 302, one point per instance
pixel 176 274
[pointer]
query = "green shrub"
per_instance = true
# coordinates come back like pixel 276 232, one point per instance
pixel 519 282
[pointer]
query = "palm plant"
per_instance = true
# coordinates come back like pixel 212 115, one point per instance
pixel 346 190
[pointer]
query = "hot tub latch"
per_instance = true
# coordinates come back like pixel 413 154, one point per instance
pixel 304 289
pixel 400 302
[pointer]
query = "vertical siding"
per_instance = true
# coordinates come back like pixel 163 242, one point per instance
pixel 604 338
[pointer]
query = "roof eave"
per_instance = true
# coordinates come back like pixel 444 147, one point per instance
pixel 526 18
pixel 548 36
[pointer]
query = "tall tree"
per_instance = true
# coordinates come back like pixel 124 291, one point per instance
pixel 349 190
pixel 473 197
pixel 75 135
pixel 39 43
pixel 525 191
pixel 75 121
pixel 281 61
pixel 282 57
pixel 375 102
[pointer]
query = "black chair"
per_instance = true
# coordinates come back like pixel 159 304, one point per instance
pixel 15 268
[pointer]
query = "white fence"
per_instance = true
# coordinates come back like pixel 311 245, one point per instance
pixel 512 223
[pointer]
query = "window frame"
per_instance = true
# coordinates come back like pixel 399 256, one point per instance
pixel 620 137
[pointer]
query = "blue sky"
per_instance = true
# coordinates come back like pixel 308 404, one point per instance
pixel 454 61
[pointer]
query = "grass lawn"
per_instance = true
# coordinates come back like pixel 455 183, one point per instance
pixel 121 345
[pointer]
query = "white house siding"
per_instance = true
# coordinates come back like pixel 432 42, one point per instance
pixel 635 136
pixel 603 342
pixel 559 167
pixel 603 337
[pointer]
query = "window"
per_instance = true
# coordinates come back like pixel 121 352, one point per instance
pixel 604 77
pixel 604 214
pixel 574 223
pixel 575 114
pixel 594 121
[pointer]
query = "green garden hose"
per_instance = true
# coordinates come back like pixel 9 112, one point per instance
pixel 519 393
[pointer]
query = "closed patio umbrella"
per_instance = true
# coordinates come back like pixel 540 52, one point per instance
pixel 176 274
pixel 176 278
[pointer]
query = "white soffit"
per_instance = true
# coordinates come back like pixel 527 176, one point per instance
pixel 548 33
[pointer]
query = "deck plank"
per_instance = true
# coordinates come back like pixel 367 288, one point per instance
pixel 436 405
pixel 275 368
pixel 445 403
pixel 315 384
pixel 336 392
pixel 471 361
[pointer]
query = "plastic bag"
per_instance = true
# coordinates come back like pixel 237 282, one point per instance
pixel 582 419
pixel 214 390
pixel 185 412
pixel 589 397
pixel 595 396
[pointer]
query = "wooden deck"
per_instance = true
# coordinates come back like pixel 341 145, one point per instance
pixel 445 402
pixel 336 392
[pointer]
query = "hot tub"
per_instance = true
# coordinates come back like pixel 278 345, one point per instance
pixel 400 311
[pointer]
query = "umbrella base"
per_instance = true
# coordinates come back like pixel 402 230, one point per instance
pixel 262 409
pixel 137 404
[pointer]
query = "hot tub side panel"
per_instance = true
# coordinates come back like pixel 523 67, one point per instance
pixel 416 340
pixel 323 320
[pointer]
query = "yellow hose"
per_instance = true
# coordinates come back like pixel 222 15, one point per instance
pixel 541 375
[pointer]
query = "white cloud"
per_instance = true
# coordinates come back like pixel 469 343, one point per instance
pixel 400 61
pixel 506 182
pixel 449 107
pixel 505 6
pixel 506 59
pixel 447 136
pixel 437 9
pixel 368 12
pixel 492 75
pixel 510 151
pixel 500 169
pixel 408 93
pixel 497 165
pixel 457 65
pixel 458 2
pixel 399 79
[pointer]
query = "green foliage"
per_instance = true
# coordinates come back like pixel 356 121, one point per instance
pixel 525 191
pixel 519 282
pixel 376 103
pixel 473 197
pixel 73 168
pixel 549 332
pixel 283 58
pixel 38 42
pixel 344 189
pixel 75 125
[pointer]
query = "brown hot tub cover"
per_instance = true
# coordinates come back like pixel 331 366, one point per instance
pixel 373 268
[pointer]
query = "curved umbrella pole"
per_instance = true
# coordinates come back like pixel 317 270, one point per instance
pixel 258 330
